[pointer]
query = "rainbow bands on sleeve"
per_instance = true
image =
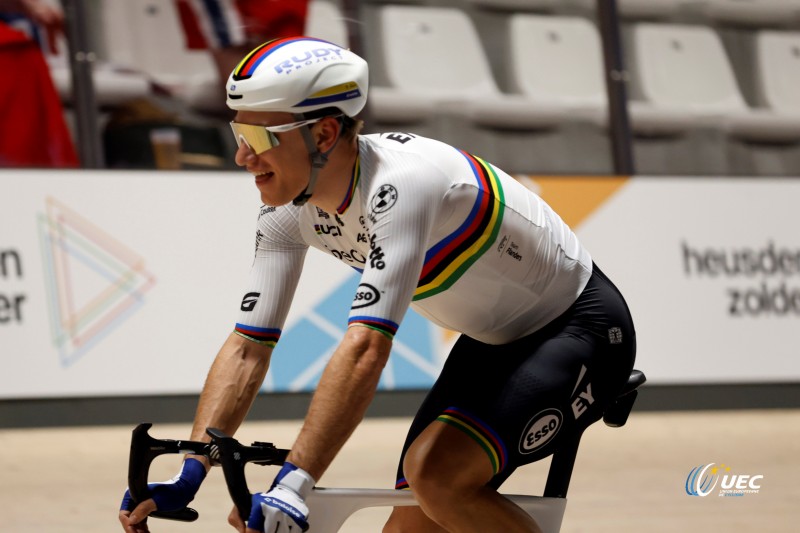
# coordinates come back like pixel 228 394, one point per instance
pixel 387 327
pixel 480 432
pixel 266 336
pixel 447 260
pixel 247 66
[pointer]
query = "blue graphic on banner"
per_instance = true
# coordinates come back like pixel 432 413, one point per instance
pixel 304 349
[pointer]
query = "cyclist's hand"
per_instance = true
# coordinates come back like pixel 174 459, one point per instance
pixel 236 521
pixel 133 522
pixel 283 509
pixel 169 495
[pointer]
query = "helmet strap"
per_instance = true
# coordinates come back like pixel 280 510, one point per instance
pixel 318 161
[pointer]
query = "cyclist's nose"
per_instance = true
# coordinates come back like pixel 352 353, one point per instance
pixel 244 154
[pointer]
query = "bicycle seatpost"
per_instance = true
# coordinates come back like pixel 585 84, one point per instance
pixel 144 449
pixel 234 456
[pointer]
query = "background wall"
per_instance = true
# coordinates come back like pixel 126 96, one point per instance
pixel 126 283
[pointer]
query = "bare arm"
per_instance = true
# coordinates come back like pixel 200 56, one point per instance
pixel 345 391
pixel 229 391
pixel 231 386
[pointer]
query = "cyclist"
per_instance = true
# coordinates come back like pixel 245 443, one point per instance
pixel 547 340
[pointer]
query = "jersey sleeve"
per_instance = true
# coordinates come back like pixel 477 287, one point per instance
pixel 280 252
pixel 399 213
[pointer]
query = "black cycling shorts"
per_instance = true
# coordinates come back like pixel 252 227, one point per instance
pixel 520 400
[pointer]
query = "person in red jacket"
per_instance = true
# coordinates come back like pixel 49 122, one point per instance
pixel 34 132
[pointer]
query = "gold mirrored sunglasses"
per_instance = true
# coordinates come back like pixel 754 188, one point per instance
pixel 261 138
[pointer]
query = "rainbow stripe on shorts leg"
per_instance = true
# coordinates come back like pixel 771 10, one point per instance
pixel 402 484
pixel 484 435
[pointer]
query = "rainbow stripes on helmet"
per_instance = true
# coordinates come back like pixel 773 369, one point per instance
pixel 248 65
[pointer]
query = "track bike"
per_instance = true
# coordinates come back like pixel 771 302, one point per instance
pixel 331 507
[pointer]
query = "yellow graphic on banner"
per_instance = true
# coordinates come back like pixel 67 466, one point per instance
pixel 574 198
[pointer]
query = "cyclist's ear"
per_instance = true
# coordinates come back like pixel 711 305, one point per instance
pixel 326 133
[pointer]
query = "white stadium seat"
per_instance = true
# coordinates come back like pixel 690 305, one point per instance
pixel 431 57
pixel 325 20
pixel 778 70
pixel 434 61
pixel 557 62
pixel 685 93
pixel 777 76
pixel 159 52
pixel 681 79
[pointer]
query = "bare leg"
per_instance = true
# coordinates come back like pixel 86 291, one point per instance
pixel 448 472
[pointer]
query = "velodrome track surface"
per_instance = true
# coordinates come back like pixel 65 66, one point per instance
pixel 70 480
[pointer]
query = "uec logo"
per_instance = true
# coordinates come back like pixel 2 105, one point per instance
pixel 699 483
pixel 703 479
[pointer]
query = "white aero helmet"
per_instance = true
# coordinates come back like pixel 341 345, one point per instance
pixel 299 75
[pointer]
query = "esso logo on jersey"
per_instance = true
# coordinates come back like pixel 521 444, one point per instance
pixel 540 430
pixel 366 295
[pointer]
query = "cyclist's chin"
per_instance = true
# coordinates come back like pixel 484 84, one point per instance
pixel 269 199
pixel 271 194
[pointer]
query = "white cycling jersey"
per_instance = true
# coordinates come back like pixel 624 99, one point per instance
pixel 430 226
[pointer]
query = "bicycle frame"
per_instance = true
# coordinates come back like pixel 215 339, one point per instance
pixel 330 507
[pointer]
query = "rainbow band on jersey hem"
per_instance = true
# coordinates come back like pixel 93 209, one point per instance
pixel 402 484
pixel 490 441
pixel 351 188
pixel 387 327
pixel 266 336
pixel 247 66
pixel 447 261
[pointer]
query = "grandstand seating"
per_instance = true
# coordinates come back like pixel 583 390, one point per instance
pixel 683 81
pixel 506 76
pixel 557 63
pixel 113 84
pixel 518 5
pixel 681 78
pixel 757 13
pixel 776 74
pixel 639 9
pixel 431 62
pixel 778 70
pixel 160 55
pixel 325 20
